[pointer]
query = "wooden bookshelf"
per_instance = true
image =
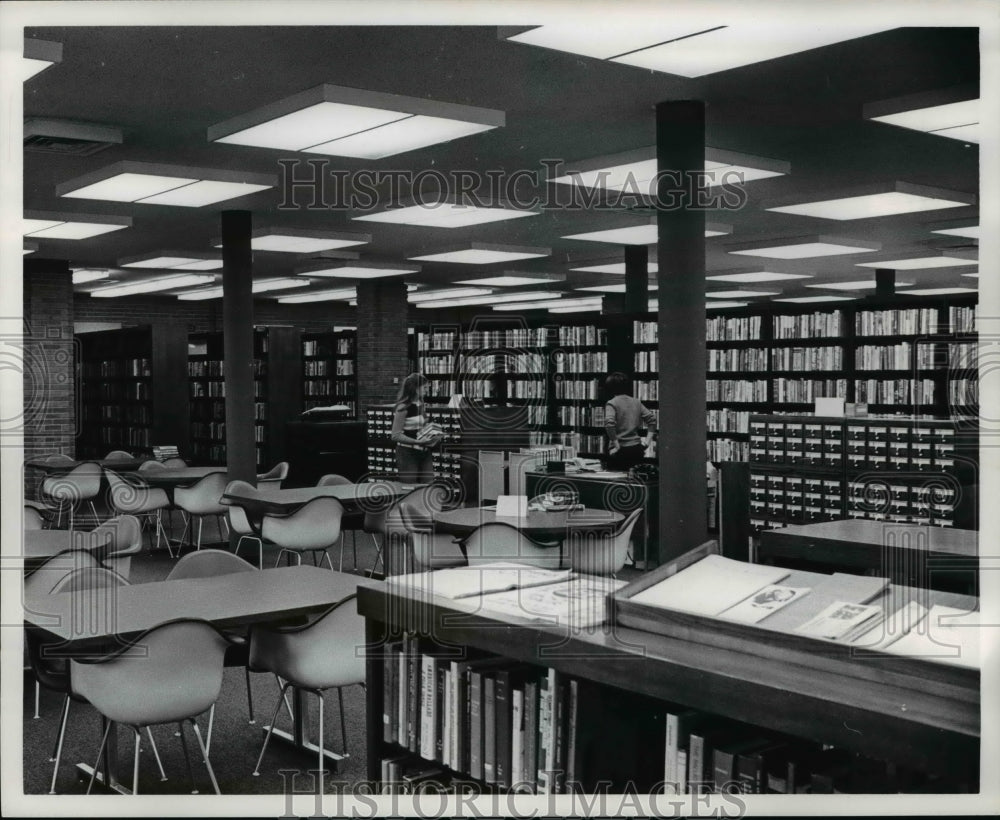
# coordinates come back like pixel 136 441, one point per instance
pixel 277 393
pixel 910 714
pixel 128 390
pixel 329 370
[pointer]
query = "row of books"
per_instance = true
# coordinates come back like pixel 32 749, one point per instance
pixel 647 390
pixel 807 390
pixel 341 367
pixel 726 329
pixel 115 391
pixel 437 365
pixel 885 357
pixel 724 420
pixel 963 354
pixel 576 335
pixel 577 389
pixel 736 391
pixel 119 414
pixel 807 358
pixel 215 368
pixel 116 367
pixel 901 322
pixel 963 319
pixel 125 436
pixel 894 391
pixel 326 387
pixel 438 340
pixel 217 389
pixel 343 346
pixel 963 392
pixel 808 325
pixel 726 449
pixel 580 416
pixel 749 358
pixel 514 337
pixel 576 362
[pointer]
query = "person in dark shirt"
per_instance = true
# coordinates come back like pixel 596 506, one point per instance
pixel 623 417
pixel 414 458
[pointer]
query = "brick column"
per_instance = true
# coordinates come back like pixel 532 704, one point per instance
pixel 49 419
pixel 382 341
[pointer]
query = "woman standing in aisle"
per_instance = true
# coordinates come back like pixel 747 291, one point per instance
pixel 623 415
pixel 414 458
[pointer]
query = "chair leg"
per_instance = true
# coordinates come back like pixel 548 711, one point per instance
pixel 201 522
pixel 38 690
pixel 329 560
pixel 187 523
pixel 59 745
pixel 270 729
pixel 93 509
pixel 288 703
pixel 211 723
pixel 354 549
pixel 204 755
pixel 246 673
pixel 320 775
pixel 166 538
pixel 187 757
pixel 156 753
pixel 100 751
pixel 343 539
pixel 343 727
pixel 378 554
pixel 135 761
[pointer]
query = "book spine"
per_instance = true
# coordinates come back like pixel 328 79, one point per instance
pixel 682 761
pixel 530 770
pixel 428 687
pixel 559 737
pixel 502 726
pixel 670 755
pixel 457 712
pixel 402 691
pixel 389 663
pixel 696 764
pixel 749 772
pixel 571 775
pixel 723 764
pixel 475 725
pixel 489 729
pixel 545 734
pixel 517 737
pixel 413 696
pixel 441 717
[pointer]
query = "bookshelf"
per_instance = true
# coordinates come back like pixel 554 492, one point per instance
pixel 618 685
pixel 277 393
pixel 128 399
pixel 329 370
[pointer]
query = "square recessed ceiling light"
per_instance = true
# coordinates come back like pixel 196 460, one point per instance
pixel 496 298
pixel 691 49
pixel 82 276
pixel 613 288
pixel 739 294
pixel 637 235
pixel 634 172
pixel 940 291
pixel 174 260
pixel 877 200
pixel 338 294
pixel 445 213
pixel 922 260
pixel 614 267
pixel 481 253
pixel 351 122
pixel 38 56
pixel 357 270
pixel 47 225
pixel 860 284
pixel 757 276
pixel 972 275
pixel 588 302
pixel 510 279
pixel 947 112
pixel 259 286
pixel 154 184
pixel 180 280
pixel 716 305
pixel 446 293
pixel 293 240
pixel 803 247
pixel 804 300
pixel 968 232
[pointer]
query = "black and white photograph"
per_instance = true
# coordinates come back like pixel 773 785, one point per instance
pixel 476 409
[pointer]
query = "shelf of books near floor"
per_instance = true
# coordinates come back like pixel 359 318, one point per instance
pixel 474 695
pixel 128 399
pixel 277 393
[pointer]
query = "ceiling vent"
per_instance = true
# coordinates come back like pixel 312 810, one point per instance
pixel 68 137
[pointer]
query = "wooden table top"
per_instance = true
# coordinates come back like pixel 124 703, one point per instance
pixel 119 465
pixel 537 523
pixel 371 495
pixel 858 532
pixel 42 544
pixel 226 600
pixel 170 477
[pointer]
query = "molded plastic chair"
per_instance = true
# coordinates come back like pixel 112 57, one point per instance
pixel 314 527
pixel 177 676
pixel 429 550
pixel 175 461
pixel 239 521
pixel 200 499
pixel 324 654
pixel 209 563
pixel 152 466
pixel 351 521
pixel 33 519
pixel 272 478
pixel 124 541
pixel 82 483
pixel 118 455
pixel 602 554
pixel 141 500
pixel 498 541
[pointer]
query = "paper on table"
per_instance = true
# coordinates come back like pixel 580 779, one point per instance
pixel 842 587
pixel 577 602
pixel 762 603
pixel 461 582
pixel 710 586
pixel 946 635
pixel 838 619
pixel 512 506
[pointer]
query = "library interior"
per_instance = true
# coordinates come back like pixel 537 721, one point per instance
pixel 241 507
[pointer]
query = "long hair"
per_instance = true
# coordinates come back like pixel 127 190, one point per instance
pixel 408 389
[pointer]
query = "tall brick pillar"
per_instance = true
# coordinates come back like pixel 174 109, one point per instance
pixel 382 341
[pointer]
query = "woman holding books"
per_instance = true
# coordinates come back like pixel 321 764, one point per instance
pixel 415 438
pixel 623 416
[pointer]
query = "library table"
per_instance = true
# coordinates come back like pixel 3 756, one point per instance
pixel 169 478
pixel 119 465
pixel 540 525
pixel 374 495
pixel 98 619
pixel 40 545
pixel 914 555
